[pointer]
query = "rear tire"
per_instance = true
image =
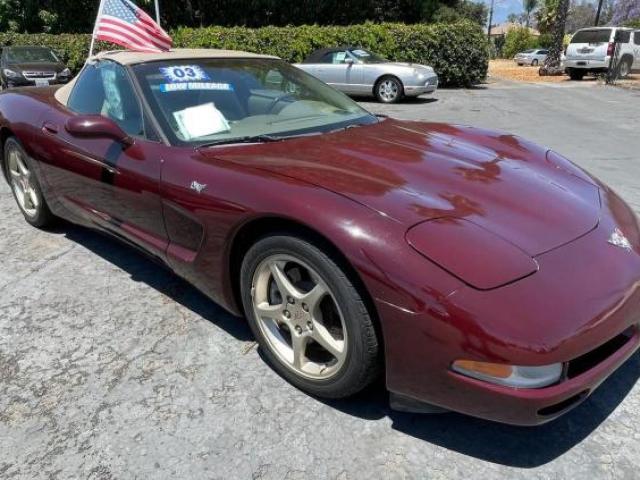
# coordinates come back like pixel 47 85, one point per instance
pixel 576 74
pixel 25 186
pixel 309 319
pixel 624 68
pixel 534 63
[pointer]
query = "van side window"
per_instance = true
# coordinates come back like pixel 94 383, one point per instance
pixel 636 38
pixel 625 37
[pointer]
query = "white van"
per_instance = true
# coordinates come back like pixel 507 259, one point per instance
pixel 591 49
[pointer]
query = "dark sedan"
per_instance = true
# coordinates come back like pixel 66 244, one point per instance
pixel 480 272
pixel 24 66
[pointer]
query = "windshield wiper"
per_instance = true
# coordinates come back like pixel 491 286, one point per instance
pixel 247 139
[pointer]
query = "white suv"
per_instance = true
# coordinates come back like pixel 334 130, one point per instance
pixel 591 49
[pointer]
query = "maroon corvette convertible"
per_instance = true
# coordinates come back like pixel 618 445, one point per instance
pixel 478 272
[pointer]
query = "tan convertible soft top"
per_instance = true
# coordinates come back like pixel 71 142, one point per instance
pixel 127 57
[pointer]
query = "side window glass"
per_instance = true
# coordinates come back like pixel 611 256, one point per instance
pixel 87 95
pixel 105 89
pixel 120 101
pixel 625 37
pixel 636 38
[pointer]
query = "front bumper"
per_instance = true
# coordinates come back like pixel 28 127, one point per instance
pixel 584 297
pixel 429 86
pixel 24 82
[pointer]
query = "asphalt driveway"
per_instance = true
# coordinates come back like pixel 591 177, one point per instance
pixel 112 368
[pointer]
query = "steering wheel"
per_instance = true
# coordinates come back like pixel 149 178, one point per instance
pixel 277 100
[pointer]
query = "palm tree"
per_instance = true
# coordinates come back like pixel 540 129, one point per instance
pixel 529 7
pixel 552 63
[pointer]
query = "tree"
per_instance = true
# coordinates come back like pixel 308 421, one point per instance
pixel 552 63
pixel 517 40
pixel 625 11
pixel 529 7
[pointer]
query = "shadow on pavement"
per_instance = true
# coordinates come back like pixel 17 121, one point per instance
pixel 524 447
pixel 142 269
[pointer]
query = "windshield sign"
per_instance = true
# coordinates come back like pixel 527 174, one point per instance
pixel 220 101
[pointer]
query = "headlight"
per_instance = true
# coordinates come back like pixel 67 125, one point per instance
pixel 510 375
pixel 10 73
pixel 65 73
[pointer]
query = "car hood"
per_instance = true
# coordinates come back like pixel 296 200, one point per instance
pixel 413 172
pixel 415 66
pixel 38 67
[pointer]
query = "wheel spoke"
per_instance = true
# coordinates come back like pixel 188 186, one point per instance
pixel 313 298
pixel 282 281
pixel 20 163
pixel 325 339
pixel 299 346
pixel 274 312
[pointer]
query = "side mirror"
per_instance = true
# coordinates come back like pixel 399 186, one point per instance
pixel 349 61
pixel 97 126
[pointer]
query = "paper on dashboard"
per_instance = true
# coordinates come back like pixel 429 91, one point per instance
pixel 201 121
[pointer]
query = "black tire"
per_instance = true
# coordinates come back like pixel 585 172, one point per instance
pixel 624 67
pixel 576 74
pixel 362 362
pixel 43 217
pixel 397 85
pixel 534 63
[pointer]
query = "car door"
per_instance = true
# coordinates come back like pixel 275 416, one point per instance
pixel 636 50
pixel 100 180
pixel 332 69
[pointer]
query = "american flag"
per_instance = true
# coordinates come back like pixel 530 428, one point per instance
pixel 123 23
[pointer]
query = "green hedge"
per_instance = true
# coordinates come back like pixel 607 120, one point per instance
pixel 458 52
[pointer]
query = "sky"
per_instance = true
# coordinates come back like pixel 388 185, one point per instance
pixel 503 8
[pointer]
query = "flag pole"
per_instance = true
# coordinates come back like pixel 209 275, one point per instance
pixel 157 3
pixel 95 27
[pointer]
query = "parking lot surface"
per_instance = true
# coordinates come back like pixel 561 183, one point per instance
pixel 112 368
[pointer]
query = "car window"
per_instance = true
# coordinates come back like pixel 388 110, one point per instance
pixel 624 36
pixel 202 101
pixel 592 36
pixel 104 89
pixel 543 52
pixel 334 57
pixel 636 38
pixel 30 54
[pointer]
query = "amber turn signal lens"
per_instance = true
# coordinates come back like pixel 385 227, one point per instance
pixel 495 370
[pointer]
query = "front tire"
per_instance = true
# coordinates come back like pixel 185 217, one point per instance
pixel 308 317
pixel 389 90
pixel 24 185
pixel 534 63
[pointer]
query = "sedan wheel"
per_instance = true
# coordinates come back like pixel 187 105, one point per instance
pixel 389 90
pixel 24 185
pixel 309 319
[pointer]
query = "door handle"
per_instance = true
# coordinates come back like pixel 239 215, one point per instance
pixel 48 127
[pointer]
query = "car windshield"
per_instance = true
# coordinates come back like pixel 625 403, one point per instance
pixel 30 55
pixel 592 36
pixel 366 56
pixel 223 100
pixel 528 51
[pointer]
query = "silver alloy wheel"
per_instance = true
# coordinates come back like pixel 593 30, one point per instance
pixel 389 90
pixel 22 184
pixel 299 317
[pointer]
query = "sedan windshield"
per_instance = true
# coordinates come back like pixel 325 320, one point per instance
pixel 366 56
pixel 210 101
pixel 30 55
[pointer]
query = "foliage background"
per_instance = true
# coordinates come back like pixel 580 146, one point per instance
pixel 458 52
pixel 77 16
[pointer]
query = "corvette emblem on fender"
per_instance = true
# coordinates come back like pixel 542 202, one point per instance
pixel 618 239
pixel 198 187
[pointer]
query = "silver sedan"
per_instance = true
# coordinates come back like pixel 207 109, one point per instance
pixel 356 71
pixel 533 57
